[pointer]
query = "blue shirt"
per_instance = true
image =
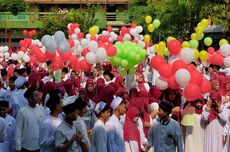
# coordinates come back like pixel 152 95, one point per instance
pixel 165 137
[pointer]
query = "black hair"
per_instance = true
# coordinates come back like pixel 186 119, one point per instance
pixel 48 62
pixel 29 92
pixel 21 71
pixel 211 66
pixel 66 70
pixel 4 104
pixel 3 72
pixel 73 71
pixel 104 109
pixel 206 68
pixel 80 103
pixel 28 70
pixel 13 78
pixel 106 72
pixel 54 100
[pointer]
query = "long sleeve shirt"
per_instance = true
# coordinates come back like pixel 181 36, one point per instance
pixel 166 137
pixel 115 131
pixel 27 130
pixel 99 140
pixel 46 133
pixel 10 127
pixel 2 130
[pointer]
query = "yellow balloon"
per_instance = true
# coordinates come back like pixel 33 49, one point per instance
pixel 185 44
pixel 204 22
pixel 148 19
pixel 157 47
pixel 92 31
pixel 193 36
pixel 199 29
pixel 147 38
pixel 203 55
pixel 197 53
pixel 199 36
pixel 151 27
pixel 162 44
pixel 160 52
pixel 223 41
pixel 170 38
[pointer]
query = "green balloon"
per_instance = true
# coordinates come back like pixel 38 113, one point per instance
pixel 117 61
pixel 208 41
pixel 123 73
pixel 97 28
pixel 132 70
pixel 194 44
pixel 166 52
pixel 156 23
pixel 199 36
pixel 124 63
pixel 131 55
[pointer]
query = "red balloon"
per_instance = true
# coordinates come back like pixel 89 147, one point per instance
pixel 192 92
pixel 22 43
pixel 34 32
pixel 74 25
pixel 211 50
pixel 80 35
pixel 30 34
pixel 190 67
pixel 33 59
pixel 24 32
pixel 65 55
pixel 196 77
pixel 157 61
pixel 174 47
pixel 111 51
pixel 23 49
pixel 84 65
pixel 124 30
pixel 133 25
pixel 84 52
pixel 165 71
pixel 73 59
pixel 71 43
pixel 28 41
pixel 135 41
pixel 119 38
pixel 93 38
pixel 70 31
pixel 109 28
pixel 209 59
pixel 178 64
pixel 41 57
pixel 217 59
pixel 205 86
pixel 172 83
pixel 50 55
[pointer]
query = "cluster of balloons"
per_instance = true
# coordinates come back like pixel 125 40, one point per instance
pixel 199 30
pixel 128 55
pixel 31 33
pixel 152 24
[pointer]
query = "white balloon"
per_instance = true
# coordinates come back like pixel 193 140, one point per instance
pixel 161 84
pixel 26 58
pixel 59 37
pixel 39 44
pixel 79 50
pixel 76 43
pixel 84 43
pixel 45 38
pixel 101 55
pixel 111 39
pixel 1 50
pixel 105 33
pixel 14 56
pixel 74 36
pixel 227 62
pixel 225 49
pixel 133 31
pixel 20 54
pixel 182 77
pixel 90 57
pixel 51 44
pixel 64 46
pixel 7 54
pixel 139 29
pixel 127 37
pixel 187 55
pixel 93 46
pixel 77 30
pixel 68 26
pixel 88 36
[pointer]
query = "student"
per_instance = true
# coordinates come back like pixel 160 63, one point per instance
pixel 48 125
pixel 166 135
pixel 99 140
pixel 28 120
pixel 115 139
pixel 66 137
pixel 10 127
pixel 131 133
pixel 2 130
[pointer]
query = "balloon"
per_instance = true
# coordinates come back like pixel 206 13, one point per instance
pixel 199 29
pixel 123 72
pixel 227 62
pixel 150 27
pixel 124 63
pixel 225 49
pixel 194 44
pixel 111 51
pixel 182 77
pixel 196 77
pixel 71 43
pixel 223 41
pixel 156 23
pixel 33 59
pixel 139 29
pixel 147 38
pixel 84 65
pixel 22 43
pixel 204 22
pixel 148 19
pixel 205 86
pixel 59 36
pixel 166 52
pixel 100 55
pixel 190 67
pixel 165 71
pixel 217 59
pixel 193 36
pixel 196 54
pixel 187 55
pixel 156 61
pixel 203 55
pixel 65 55
pixel 174 47
pixel 80 35
pixel 132 70
pixel 14 56
pixel 178 64
pixel 90 58
pixel 64 46
pixel 211 50
pixel 170 38
pixel 97 28
pixel 208 41
pixel 161 84
pixel 92 46
pixel 109 28
pixel 50 45
pixel 172 83
pixel 192 92
pixel 199 36
pixel 92 31
pixel 26 58
pixel 24 32
pixel 185 44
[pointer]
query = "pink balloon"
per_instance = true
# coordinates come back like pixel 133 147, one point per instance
pixel 196 77
pixel 111 51
pixel 205 86
pixel 217 59
pixel 190 67
pixel 174 47
pixel 211 50
pixel 156 61
pixel 192 92
pixel 178 64
pixel 172 83
pixel 165 71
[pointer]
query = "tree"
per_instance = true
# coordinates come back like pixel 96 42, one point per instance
pixel 13 6
pixel 59 21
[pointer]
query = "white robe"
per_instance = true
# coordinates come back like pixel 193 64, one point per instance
pixel 27 131
pixel 46 133
pixel 131 146
pixel 115 139
pixel 99 140
pixel 194 136
pixel 2 130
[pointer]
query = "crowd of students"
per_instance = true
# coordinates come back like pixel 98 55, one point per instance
pixel 101 111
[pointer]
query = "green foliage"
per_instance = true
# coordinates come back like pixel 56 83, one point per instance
pixel 59 21
pixel 13 6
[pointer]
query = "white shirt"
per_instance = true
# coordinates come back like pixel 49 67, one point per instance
pixel 46 133
pixel 10 127
pixel 115 131
pixel 226 71
pixel 2 130
pixel 27 132
pixel 99 137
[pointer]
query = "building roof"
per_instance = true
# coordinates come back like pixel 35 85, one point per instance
pixel 76 1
